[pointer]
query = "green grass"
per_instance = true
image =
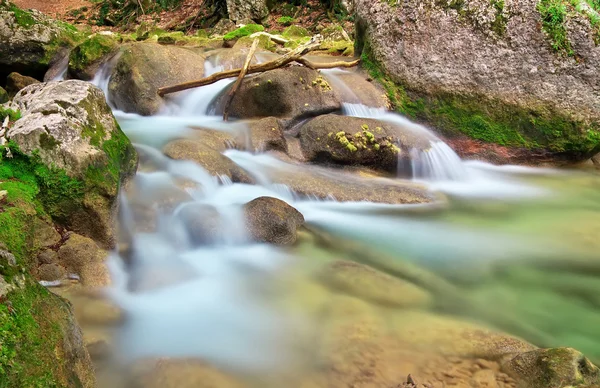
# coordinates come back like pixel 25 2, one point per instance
pixel 23 18
pixel 554 17
pixel 243 31
pixel 286 20
pixel 12 114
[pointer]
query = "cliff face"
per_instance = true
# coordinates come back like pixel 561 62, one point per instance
pixel 519 73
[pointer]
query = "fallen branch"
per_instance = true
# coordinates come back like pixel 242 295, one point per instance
pixel 277 63
pixel 293 56
pixel 238 82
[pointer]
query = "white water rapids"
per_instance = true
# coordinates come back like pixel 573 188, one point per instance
pixel 225 301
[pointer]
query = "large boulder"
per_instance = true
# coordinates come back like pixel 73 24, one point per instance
pixel 85 59
pixel 142 68
pixel 69 126
pixel 240 10
pixel 369 142
pixel 292 92
pixel 29 41
pixel 272 220
pixel 520 74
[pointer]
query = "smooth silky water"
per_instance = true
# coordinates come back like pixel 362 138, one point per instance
pixel 514 248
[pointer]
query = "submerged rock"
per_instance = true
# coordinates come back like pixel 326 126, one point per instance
pixel 142 68
pixel 29 40
pixel 292 92
pixel 207 157
pixel 16 82
pixel 69 126
pixel 553 368
pixel 521 74
pixel 368 142
pixel 272 221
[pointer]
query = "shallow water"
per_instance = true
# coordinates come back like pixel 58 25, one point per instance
pixel 515 249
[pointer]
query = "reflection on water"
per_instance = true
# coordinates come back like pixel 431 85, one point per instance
pixel 513 249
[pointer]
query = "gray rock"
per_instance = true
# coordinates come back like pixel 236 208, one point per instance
pixel 488 70
pixel 142 68
pixel 72 128
pixel 51 272
pixel 272 221
pixel 223 26
pixel 47 256
pixel 292 92
pixel 239 10
pixel 29 40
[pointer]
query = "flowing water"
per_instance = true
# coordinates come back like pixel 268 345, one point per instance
pixel 513 248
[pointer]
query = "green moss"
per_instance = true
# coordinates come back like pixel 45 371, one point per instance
pixel 23 18
pixel 295 32
pixel 90 52
pixel 286 20
pixel 243 31
pixel 12 114
pixel 494 121
pixel 500 21
pixel 554 18
pixel 48 142
pixel 3 96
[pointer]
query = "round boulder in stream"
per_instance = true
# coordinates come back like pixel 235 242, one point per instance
pixel 291 92
pixel 360 141
pixel 272 221
pixel 142 68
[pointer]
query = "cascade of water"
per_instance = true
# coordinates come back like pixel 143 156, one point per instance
pixel 437 163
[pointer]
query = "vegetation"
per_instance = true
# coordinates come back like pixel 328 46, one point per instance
pixel 90 51
pixel 243 31
pixel 23 18
pixel 554 17
pixel 286 20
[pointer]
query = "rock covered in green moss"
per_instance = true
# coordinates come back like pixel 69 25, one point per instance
pixel 3 95
pixel 368 142
pixel 86 58
pixel 491 71
pixel 290 92
pixel 231 37
pixel 69 126
pixel 553 368
pixel 144 67
pixel 16 82
pixel 29 40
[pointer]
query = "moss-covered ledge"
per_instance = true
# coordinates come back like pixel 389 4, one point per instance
pixel 40 342
pixel 539 132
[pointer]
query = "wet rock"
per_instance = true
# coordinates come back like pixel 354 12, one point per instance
pixel 463 82
pixel 72 128
pixel 369 284
pixel 267 135
pixel 47 256
pixel 368 142
pixel 51 272
pixel 292 92
pixel 82 256
pixel 203 223
pixel 596 160
pixel 3 95
pixel 172 373
pixel 229 58
pixel 354 88
pixel 44 234
pixel 29 40
pixel 272 221
pixel 255 10
pixel 16 82
pixel 142 68
pixel 58 65
pixel 208 158
pixel 89 55
pixel 553 368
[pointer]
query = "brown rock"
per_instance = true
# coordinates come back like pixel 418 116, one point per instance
pixel 16 82
pixel 291 92
pixel 82 256
pixel 272 221
pixel 267 135
pixel 207 157
pixel 51 272
pixel 44 234
pixel 47 256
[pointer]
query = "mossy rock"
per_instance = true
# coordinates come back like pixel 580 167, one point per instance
pixel 69 126
pixel 86 58
pixel 247 30
pixel 3 95
pixel 16 82
pixel 264 42
pixel 30 40
pixel 295 32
